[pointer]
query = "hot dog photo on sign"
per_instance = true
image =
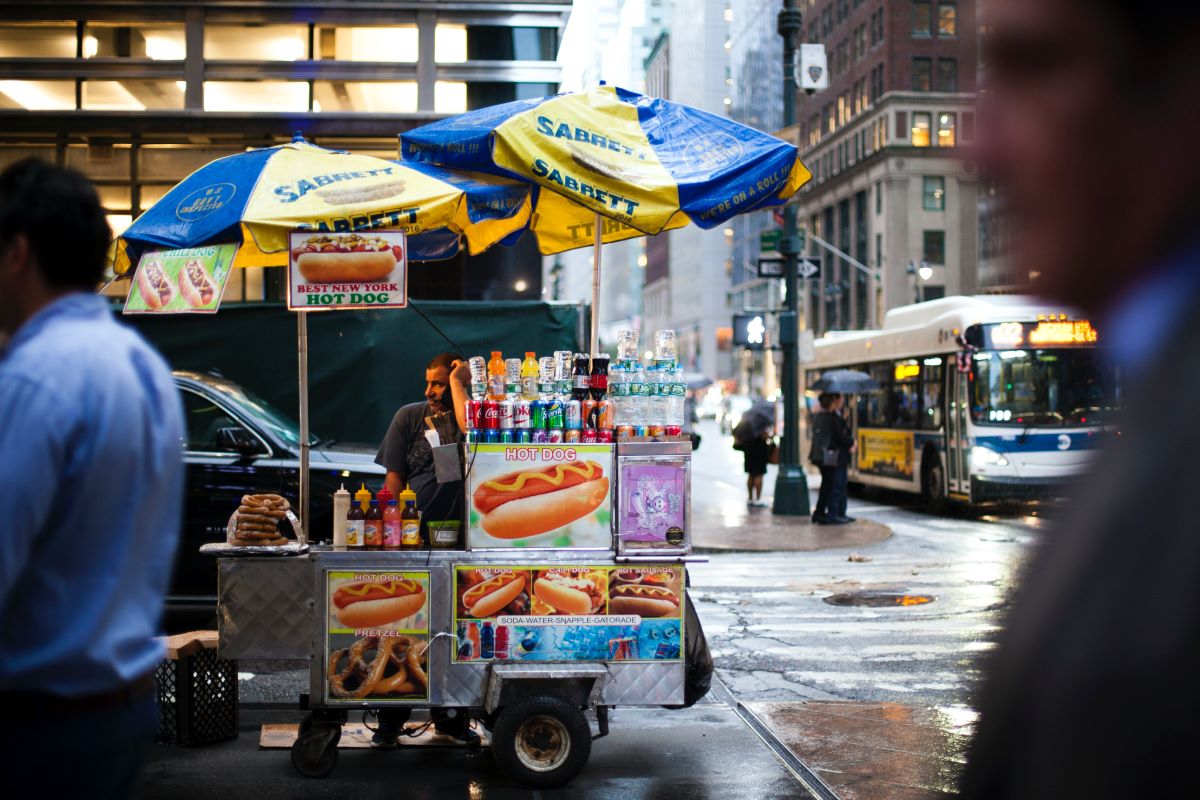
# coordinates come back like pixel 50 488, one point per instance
pixel 560 501
pixel 378 601
pixel 357 269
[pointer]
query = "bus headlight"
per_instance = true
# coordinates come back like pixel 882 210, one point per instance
pixel 987 457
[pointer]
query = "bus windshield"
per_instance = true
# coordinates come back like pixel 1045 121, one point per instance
pixel 1043 388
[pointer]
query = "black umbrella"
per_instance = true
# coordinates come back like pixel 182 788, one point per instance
pixel 757 420
pixel 845 381
pixel 695 381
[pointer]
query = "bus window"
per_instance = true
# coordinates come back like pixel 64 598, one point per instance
pixel 931 394
pixel 872 406
pixel 904 405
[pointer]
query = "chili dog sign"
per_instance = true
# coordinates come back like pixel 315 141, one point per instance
pixel 187 281
pixel 360 269
pixel 540 496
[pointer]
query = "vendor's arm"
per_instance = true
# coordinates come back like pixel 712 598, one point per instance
pixel 395 482
pixel 460 378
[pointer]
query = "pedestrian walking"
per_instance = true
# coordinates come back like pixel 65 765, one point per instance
pixel 91 492
pixel 832 443
pixel 756 454
pixel 1091 691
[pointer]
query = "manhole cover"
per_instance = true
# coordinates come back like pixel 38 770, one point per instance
pixel 877 599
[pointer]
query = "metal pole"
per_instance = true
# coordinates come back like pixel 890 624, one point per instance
pixel 791 485
pixel 302 347
pixel 597 246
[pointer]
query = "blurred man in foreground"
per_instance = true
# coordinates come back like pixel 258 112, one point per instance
pixel 91 490
pixel 1092 126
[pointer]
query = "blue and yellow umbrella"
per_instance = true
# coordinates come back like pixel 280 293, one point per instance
pixel 258 197
pixel 646 165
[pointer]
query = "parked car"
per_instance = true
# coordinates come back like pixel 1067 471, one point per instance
pixel 238 444
pixel 709 404
pixel 732 409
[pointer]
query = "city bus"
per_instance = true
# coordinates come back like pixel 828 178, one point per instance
pixel 981 398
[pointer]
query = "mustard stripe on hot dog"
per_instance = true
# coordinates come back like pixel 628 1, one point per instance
pixel 530 483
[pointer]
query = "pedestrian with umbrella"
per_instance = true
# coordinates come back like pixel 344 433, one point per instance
pixel 754 436
pixel 833 442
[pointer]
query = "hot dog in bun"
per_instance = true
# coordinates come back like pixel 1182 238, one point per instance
pixel 485 599
pixel 352 258
pixel 196 285
pixel 643 600
pixel 569 594
pixel 154 285
pixel 370 604
pixel 534 501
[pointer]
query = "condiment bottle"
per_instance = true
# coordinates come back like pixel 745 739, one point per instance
pixel 356 535
pixel 391 526
pixel 410 522
pixel 373 527
pixel 341 508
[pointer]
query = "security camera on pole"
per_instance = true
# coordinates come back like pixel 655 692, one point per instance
pixel 791 486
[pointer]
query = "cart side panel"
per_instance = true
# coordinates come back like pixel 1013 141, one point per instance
pixel 265 608
pixel 644 684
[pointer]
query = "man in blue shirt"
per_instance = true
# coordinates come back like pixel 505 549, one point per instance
pixel 91 485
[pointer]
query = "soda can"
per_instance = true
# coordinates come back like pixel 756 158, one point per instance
pixel 555 414
pixel 604 415
pixel 589 436
pixel 507 413
pixel 537 414
pixel 554 436
pixel 474 436
pixel 473 411
pixel 491 436
pixel 639 430
pixel 521 414
pixel 506 436
pixel 540 436
pixel 572 435
pixel 490 415
pixel 590 414
pixel 624 433
pixel 604 436
pixel 572 414
pixel 655 430
pixel 673 430
pixel 524 436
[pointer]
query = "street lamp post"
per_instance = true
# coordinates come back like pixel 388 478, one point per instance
pixel 791 486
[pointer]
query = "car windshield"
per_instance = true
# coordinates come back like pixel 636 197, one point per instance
pixel 265 414
pixel 1043 388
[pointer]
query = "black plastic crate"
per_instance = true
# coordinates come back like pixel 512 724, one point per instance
pixel 197 699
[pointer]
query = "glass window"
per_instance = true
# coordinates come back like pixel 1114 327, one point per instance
pixel 872 406
pixel 933 247
pixel 450 44
pixel 502 43
pixel 933 193
pixel 922 75
pixel 449 97
pixel 922 23
pixel 904 403
pixel 161 42
pixel 40 95
pixel 947 19
pixel 946 128
pixel 255 96
pixel 393 43
pixel 204 419
pixel 132 95
pixel 947 75
pixel 256 43
pixel 1043 387
pixel 902 125
pixel 920 128
pixel 376 97
pixel 931 393
pixel 37 40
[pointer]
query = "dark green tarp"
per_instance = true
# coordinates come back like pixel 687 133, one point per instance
pixel 362 365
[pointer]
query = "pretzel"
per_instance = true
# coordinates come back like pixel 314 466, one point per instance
pixel 373 677
pixel 243 533
pixel 262 523
pixel 261 511
pixel 271 501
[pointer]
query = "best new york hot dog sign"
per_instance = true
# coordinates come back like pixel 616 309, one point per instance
pixel 360 269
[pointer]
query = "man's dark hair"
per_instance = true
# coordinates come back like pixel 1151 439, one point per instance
pixel 825 400
pixel 443 360
pixel 60 214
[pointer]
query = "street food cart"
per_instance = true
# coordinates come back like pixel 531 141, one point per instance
pixel 479 630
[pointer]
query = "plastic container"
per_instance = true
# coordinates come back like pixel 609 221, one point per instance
pixel 495 376
pixel 341 508
pixel 443 534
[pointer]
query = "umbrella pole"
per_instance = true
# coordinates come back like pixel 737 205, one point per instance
pixel 597 246
pixel 302 346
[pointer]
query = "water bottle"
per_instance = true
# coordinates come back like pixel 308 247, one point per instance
pixel 618 392
pixel 657 412
pixel 675 405
pixel 640 408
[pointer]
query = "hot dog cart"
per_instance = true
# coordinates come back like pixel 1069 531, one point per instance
pixel 484 637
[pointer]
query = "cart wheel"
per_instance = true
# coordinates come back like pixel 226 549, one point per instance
pixel 542 741
pixel 315 752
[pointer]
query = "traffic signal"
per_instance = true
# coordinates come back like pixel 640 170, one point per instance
pixel 749 330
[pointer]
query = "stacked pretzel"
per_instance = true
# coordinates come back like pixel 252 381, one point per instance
pixel 396 668
pixel 258 519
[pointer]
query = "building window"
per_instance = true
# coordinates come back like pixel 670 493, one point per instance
pixel 933 193
pixel 160 42
pixel 841 109
pixel 968 126
pixel 879 197
pixel 902 125
pixel 933 248
pixel 131 95
pixel 922 75
pixel 922 19
pixel 276 96
pixel 947 75
pixel 257 43
pixel 947 19
pixel 878 250
pixel 377 97
pixel 920 128
pixel 946 129
pixel 395 44
pixel 40 95
pixel 38 40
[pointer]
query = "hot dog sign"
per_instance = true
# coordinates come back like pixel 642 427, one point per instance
pixel 188 281
pixel 358 269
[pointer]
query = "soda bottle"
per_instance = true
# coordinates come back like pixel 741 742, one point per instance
pixel 410 525
pixel 529 376
pixel 495 376
pixel 356 522
pixel 478 369
pixel 391 526
pixel 581 379
pixel 373 527
pixel 487 642
pixel 598 384
pixel 502 644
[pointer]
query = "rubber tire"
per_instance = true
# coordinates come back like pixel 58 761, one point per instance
pixel 504 740
pixel 931 476
pixel 301 751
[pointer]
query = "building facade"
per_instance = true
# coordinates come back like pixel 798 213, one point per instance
pixel 138 95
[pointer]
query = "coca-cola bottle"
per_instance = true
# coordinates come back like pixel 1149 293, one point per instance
pixel 598 385
pixel 580 378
